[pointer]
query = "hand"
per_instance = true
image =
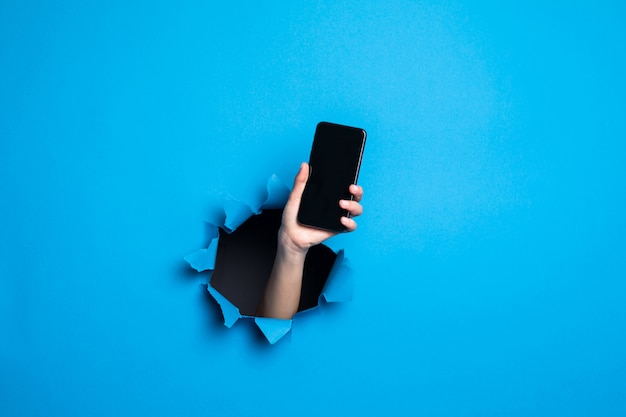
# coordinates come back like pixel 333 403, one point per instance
pixel 298 238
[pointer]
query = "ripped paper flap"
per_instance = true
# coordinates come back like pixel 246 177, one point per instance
pixel 340 283
pixel 273 329
pixel 277 194
pixel 204 259
pixel 229 311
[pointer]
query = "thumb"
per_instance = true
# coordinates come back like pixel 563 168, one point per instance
pixel 299 183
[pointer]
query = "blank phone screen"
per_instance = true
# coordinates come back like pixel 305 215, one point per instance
pixel 334 165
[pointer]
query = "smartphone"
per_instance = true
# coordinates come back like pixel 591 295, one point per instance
pixel 334 164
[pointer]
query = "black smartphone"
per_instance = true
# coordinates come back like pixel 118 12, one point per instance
pixel 333 165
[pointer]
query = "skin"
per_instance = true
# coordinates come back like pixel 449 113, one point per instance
pixel 282 292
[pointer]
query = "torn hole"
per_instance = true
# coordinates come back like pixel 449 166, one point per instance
pixel 241 254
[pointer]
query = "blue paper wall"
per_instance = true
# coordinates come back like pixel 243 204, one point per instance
pixel 490 263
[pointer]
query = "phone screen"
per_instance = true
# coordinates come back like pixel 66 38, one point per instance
pixel 334 164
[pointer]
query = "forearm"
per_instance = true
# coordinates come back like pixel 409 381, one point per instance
pixel 282 292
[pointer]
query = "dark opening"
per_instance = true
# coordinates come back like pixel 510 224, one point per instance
pixel 245 258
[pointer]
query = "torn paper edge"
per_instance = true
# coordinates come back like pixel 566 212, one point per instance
pixel 339 284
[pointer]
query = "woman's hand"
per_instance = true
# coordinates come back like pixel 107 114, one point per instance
pixel 299 238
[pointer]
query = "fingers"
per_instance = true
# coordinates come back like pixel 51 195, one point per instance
pixel 356 191
pixel 351 206
pixel 349 224
pixel 354 208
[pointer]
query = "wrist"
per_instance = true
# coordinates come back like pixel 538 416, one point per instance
pixel 288 248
